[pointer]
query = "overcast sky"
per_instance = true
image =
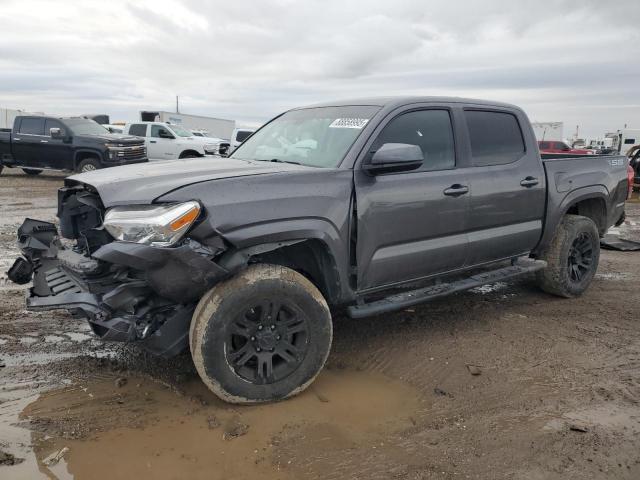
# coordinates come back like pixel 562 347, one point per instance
pixel 571 61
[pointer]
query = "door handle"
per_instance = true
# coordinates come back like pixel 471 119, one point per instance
pixel 44 141
pixel 529 182
pixel 152 141
pixel 455 190
pixel 15 139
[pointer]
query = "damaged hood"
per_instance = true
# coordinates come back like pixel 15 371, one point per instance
pixel 144 182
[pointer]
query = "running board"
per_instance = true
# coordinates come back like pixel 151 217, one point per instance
pixel 422 295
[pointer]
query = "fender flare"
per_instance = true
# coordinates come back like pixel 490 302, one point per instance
pixel 264 237
pixel 557 211
pixel 91 151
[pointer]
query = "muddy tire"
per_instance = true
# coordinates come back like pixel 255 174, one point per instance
pixel 264 335
pixel 31 171
pixel 88 165
pixel 572 258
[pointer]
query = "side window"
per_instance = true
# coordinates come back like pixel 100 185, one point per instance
pixel 431 130
pixel 49 124
pixel 496 138
pixel 543 145
pixel 156 129
pixel 138 129
pixel 32 126
pixel 242 136
pixel 629 141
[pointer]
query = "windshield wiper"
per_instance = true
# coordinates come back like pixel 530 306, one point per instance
pixel 278 160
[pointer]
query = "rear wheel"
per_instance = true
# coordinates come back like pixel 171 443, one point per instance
pixel 263 335
pixel 88 165
pixel 188 154
pixel 572 257
pixel 31 171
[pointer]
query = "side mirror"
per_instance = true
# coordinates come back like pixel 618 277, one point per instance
pixel 395 157
pixel 165 134
pixel 55 133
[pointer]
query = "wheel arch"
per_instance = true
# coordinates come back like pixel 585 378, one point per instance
pixel 591 202
pixel 189 151
pixel 312 247
pixel 83 154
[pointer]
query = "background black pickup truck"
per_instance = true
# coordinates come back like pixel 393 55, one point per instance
pixel 71 144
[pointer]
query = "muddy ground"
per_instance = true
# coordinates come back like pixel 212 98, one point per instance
pixel 500 382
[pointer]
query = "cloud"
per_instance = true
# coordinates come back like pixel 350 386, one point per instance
pixel 573 61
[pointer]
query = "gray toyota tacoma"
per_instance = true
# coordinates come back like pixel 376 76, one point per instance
pixel 365 206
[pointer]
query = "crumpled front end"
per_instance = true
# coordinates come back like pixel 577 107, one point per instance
pixel 127 291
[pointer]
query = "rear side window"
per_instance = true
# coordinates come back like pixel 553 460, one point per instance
pixel 495 137
pixel 32 126
pixel 429 129
pixel 242 136
pixel 138 129
pixel 49 124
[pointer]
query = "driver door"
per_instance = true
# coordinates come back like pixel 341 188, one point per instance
pixel 412 224
pixel 161 143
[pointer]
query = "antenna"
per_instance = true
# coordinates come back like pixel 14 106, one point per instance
pixel 177 109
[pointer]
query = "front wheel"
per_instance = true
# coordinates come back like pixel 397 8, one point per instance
pixel 263 335
pixel 88 165
pixel 572 257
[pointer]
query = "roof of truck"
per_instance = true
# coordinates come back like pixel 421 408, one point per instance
pixel 392 102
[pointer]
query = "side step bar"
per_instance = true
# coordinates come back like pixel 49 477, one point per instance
pixel 422 295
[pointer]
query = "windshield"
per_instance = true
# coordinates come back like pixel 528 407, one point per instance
pixel 179 131
pixel 318 137
pixel 84 126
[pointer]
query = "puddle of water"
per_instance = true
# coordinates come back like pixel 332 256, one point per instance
pixel 146 430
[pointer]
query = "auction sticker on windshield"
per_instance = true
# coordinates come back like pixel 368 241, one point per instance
pixel 349 123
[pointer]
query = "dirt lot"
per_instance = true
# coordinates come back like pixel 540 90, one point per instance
pixel 500 382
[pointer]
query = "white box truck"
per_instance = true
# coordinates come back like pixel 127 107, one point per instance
pixel 215 127
pixel 548 130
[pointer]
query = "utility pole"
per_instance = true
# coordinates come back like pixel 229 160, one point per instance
pixel 177 109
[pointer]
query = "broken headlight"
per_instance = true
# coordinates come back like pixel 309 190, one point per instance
pixel 157 225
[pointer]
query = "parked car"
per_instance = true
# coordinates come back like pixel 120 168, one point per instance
pixel 165 141
pixel 78 144
pixel 220 146
pixel 561 147
pixel 369 205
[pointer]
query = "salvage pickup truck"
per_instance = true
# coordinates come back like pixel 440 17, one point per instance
pixel 364 206
pixel 77 144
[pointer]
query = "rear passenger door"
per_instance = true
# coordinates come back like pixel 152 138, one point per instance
pixel 412 224
pixel 507 185
pixel 26 143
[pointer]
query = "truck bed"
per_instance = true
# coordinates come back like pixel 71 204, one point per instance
pixel 570 179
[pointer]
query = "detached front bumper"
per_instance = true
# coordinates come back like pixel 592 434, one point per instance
pixel 127 291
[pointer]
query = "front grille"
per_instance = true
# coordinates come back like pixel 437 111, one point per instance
pixel 133 152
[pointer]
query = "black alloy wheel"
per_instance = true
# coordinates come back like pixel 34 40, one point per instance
pixel 268 341
pixel 580 259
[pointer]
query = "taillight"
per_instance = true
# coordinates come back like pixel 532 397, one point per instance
pixel 630 175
